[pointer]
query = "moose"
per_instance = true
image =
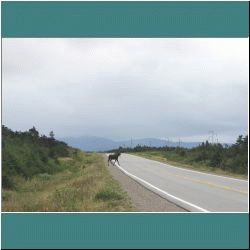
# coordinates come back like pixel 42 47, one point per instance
pixel 114 157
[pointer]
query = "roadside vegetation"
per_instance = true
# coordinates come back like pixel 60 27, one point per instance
pixel 210 157
pixel 27 154
pixel 45 175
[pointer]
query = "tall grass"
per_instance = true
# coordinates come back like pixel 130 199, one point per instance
pixel 83 184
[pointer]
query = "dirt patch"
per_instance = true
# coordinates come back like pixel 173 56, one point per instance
pixel 144 200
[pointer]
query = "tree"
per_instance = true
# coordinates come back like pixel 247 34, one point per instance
pixel 52 135
pixel 245 144
pixel 33 132
pixel 52 142
pixel 239 140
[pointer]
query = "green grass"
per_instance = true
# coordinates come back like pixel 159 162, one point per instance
pixel 83 184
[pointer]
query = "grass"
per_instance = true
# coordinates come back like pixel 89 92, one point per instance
pixel 175 159
pixel 84 185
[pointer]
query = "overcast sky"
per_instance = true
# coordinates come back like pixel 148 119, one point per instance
pixel 122 88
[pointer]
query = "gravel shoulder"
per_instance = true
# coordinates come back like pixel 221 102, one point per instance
pixel 143 199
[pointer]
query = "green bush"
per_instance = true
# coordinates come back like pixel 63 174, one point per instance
pixel 182 153
pixel 201 156
pixel 108 194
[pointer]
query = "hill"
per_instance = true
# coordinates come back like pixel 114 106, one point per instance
pixel 27 154
pixel 92 143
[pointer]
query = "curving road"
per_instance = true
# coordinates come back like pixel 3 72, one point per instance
pixel 193 190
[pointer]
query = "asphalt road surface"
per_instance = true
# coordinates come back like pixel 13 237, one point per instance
pixel 192 190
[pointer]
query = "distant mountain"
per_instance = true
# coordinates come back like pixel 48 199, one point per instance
pixel 92 143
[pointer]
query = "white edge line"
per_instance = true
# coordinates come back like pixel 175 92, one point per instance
pixel 183 168
pixel 179 201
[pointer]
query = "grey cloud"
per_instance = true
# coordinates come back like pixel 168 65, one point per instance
pixel 123 87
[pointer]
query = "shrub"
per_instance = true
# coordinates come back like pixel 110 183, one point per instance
pixel 108 194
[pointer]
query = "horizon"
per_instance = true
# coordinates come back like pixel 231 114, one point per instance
pixel 171 139
pixel 155 138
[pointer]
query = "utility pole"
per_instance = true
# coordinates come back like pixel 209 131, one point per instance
pixel 217 140
pixel 212 132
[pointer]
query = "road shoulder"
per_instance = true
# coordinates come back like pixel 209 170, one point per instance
pixel 143 199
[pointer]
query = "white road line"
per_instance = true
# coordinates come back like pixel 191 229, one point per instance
pixel 184 169
pixel 173 198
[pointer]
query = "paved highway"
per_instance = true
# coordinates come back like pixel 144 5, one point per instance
pixel 193 190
